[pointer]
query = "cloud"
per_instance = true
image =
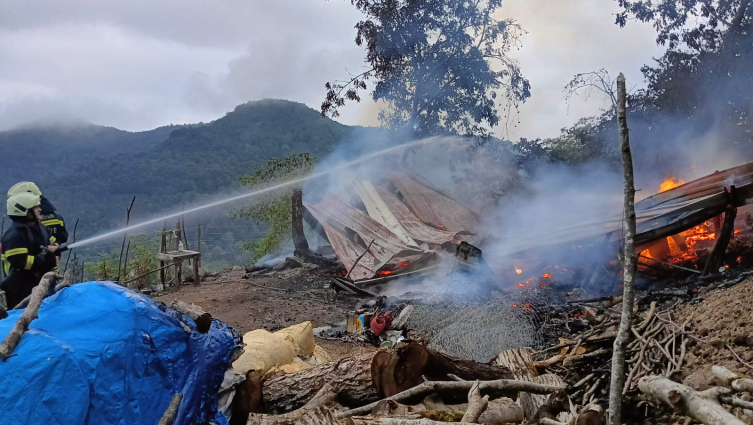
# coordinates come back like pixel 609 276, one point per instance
pixel 140 64
pixel 567 37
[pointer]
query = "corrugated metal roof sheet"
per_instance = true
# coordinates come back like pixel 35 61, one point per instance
pixel 433 208
pixel 350 231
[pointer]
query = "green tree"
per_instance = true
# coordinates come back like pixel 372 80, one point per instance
pixel 273 209
pixel 441 66
pixel 105 268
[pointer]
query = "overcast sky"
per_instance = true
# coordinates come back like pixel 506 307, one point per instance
pixel 139 64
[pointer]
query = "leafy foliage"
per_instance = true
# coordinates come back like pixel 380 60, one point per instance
pixel 141 259
pixel 440 66
pixel 696 106
pixel 275 209
pixel 698 25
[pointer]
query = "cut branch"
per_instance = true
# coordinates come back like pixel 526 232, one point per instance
pixel 476 404
pixel 439 386
pixel 172 410
pixel 30 313
pixel 617 381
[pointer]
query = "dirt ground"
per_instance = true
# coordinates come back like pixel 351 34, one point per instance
pixel 270 303
pixel 723 319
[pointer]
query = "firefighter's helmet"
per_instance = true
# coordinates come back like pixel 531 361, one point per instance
pixel 20 204
pixel 24 187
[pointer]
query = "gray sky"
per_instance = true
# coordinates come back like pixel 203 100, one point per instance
pixel 140 64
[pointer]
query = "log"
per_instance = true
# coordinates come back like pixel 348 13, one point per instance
pixel 30 313
pixel 557 402
pixel 499 411
pixel 413 362
pixel 502 411
pixel 315 412
pixel 248 398
pixel 368 420
pixel 703 406
pixel 427 387
pixel 202 319
pixel 350 378
pixel 172 410
pixel 476 405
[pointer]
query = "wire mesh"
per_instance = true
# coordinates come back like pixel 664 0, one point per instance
pixel 461 323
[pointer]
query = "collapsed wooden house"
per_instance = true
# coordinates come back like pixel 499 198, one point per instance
pixel 394 227
pixel 399 225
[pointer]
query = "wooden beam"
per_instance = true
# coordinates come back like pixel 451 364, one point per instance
pixel 299 238
pixel 716 260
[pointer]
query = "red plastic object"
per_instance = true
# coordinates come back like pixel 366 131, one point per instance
pixel 381 322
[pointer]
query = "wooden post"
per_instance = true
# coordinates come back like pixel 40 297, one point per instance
pixel 617 380
pixel 178 264
pixel 198 244
pixel 299 238
pixel 162 250
pixel 715 260
pixel 196 277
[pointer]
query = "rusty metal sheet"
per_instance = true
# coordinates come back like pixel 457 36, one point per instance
pixel 432 207
pixel 658 216
pixel 342 222
pixel 415 228
pixel 699 188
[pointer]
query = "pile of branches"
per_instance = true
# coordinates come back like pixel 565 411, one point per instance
pixel 410 385
pixel 655 356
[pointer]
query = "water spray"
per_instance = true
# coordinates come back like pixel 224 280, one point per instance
pixel 272 188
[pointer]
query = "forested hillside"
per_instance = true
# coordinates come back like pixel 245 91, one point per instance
pixel 92 172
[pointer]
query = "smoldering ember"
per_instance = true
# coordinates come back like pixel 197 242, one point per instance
pixel 472 227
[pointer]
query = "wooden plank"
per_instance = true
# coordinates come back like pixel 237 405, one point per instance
pixel 353 289
pixel 176 256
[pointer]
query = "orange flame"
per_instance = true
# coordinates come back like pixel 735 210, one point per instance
pixel 518 271
pixel 521 285
pixel 546 276
pixel 670 183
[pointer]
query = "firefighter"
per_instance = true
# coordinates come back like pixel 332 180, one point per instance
pixel 50 218
pixel 28 250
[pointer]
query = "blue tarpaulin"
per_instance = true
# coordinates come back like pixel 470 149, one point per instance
pixel 102 354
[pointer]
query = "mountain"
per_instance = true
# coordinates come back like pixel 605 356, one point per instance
pixel 92 172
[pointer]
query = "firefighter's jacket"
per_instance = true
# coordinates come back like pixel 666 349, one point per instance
pixel 53 221
pixel 24 259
